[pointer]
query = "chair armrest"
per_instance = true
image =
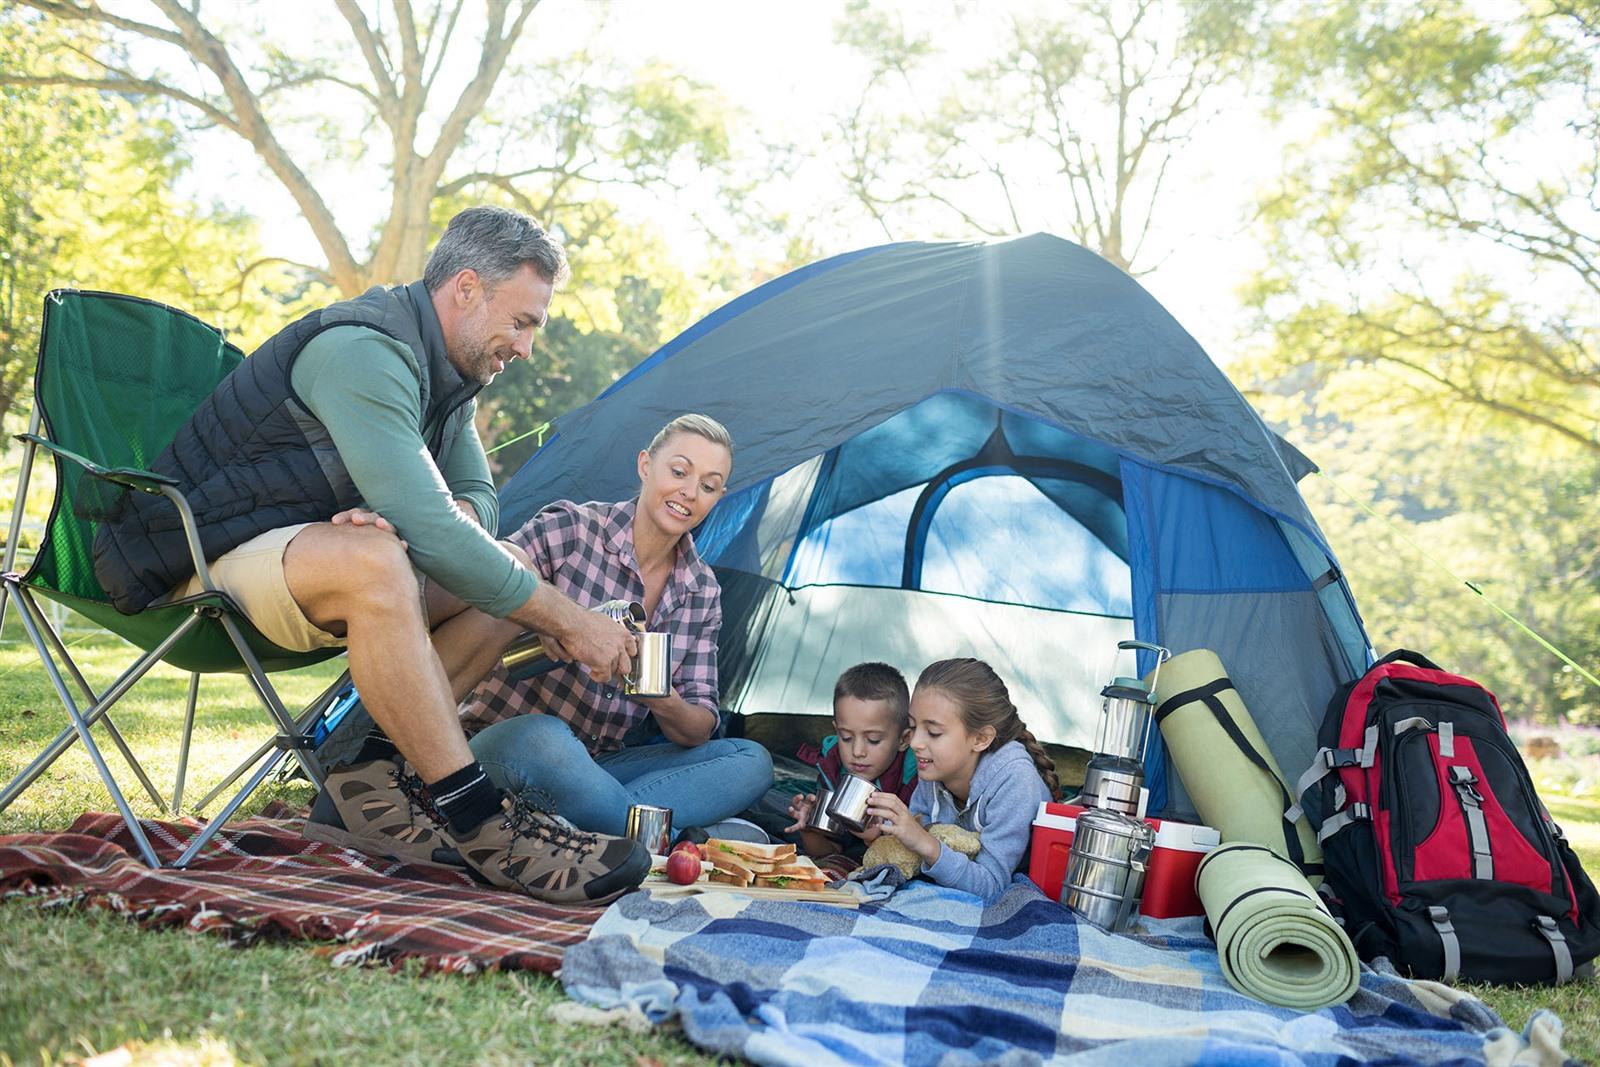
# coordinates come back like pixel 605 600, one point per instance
pixel 144 482
pixel 127 477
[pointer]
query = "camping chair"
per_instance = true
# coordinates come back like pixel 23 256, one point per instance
pixel 117 376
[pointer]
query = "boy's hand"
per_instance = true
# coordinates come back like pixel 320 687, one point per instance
pixel 896 820
pixel 800 810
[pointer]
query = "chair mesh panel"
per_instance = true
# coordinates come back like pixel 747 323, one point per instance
pixel 117 377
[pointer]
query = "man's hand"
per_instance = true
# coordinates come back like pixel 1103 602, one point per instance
pixel 600 643
pixel 363 517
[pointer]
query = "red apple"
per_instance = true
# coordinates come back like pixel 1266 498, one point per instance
pixel 690 846
pixel 683 866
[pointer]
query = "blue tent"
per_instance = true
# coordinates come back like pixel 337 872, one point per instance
pixel 1007 450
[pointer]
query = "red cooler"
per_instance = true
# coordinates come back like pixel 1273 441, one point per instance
pixel 1169 882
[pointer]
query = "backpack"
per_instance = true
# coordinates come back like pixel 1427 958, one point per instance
pixel 1438 853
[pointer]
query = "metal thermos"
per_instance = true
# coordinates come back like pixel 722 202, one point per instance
pixel 528 649
pixel 1105 871
pixel 651 827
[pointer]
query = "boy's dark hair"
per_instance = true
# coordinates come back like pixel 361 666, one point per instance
pixel 877 681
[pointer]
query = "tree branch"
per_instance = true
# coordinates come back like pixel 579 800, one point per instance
pixel 92 12
pixel 132 86
pixel 368 44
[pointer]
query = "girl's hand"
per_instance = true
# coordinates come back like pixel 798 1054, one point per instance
pixel 800 810
pixel 871 832
pixel 898 822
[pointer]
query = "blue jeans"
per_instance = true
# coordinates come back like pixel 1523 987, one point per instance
pixel 539 754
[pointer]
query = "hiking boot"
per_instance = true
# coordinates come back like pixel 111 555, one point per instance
pixel 378 807
pixel 546 857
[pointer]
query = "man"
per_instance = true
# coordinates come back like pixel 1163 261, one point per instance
pixel 326 473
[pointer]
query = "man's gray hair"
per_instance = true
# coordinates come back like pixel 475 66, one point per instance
pixel 699 425
pixel 496 243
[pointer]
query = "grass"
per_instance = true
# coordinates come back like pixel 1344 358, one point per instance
pixel 73 984
pixel 76 984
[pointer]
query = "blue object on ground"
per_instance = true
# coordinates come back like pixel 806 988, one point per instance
pixel 934 976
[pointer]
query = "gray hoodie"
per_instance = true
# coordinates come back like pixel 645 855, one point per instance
pixel 1005 795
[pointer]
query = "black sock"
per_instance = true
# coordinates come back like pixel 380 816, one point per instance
pixel 376 746
pixel 465 798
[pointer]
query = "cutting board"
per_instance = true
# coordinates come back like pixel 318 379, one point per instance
pixel 838 897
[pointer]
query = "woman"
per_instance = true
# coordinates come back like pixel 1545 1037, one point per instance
pixel 589 750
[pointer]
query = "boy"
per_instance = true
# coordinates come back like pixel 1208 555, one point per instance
pixel 872 724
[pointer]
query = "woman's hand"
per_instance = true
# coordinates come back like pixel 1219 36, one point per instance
pixel 896 820
pixel 800 810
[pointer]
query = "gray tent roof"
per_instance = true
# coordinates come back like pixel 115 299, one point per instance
pixel 1035 324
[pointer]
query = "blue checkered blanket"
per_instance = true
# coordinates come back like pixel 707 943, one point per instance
pixel 932 976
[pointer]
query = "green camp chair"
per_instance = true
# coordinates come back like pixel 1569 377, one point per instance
pixel 117 376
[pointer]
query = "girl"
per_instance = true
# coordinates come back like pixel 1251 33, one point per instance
pixel 977 767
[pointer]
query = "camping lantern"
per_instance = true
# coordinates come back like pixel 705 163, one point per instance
pixel 1115 775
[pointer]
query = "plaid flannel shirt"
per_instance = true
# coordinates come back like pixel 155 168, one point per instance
pixel 586 551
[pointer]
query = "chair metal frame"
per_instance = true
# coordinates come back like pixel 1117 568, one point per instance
pixel 293 736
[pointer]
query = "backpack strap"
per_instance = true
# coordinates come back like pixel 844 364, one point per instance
pixel 1462 781
pixel 1440 917
pixel 1405 655
pixel 1354 813
pixel 1558 946
pixel 1328 760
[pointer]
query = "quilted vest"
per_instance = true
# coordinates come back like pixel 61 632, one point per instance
pixel 252 458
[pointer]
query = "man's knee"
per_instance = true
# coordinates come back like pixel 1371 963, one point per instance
pixel 350 568
pixel 519 552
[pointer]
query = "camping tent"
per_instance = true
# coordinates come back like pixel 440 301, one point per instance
pixel 1007 450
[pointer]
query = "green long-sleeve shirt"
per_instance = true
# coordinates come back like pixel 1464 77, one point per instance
pixel 363 386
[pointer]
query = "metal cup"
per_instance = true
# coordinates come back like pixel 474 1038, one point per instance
pixel 848 807
pixel 819 818
pixel 652 667
pixel 651 827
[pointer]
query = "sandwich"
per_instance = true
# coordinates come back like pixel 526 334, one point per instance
pixel 741 863
pixel 748 852
pixel 798 873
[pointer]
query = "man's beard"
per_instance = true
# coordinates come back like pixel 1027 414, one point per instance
pixel 474 356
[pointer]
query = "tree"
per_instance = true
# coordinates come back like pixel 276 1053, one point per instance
pixel 87 200
pixel 1070 124
pixel 1428 325
pixel 1441 226
pixel 452 120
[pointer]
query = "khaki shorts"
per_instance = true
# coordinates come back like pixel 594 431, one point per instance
pixel 252 576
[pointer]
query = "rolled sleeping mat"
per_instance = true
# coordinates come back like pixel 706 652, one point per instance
pixel 1274 936
pixel 1230 774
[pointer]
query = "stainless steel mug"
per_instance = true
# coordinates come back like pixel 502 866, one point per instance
pixel 652 667
pixel 1105 872
pixel 819 818
pixel 848 807
pixel 651 827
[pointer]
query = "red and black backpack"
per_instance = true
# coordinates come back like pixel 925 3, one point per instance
pixel 1438 852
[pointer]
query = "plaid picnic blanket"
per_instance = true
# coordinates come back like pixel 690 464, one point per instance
pixel 932 976
pixel 260 879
